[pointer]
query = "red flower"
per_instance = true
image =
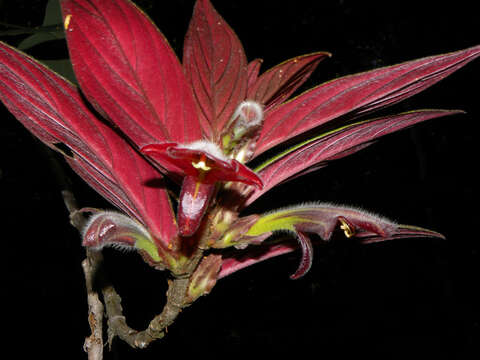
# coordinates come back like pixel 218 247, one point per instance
pixel 199 122
pixel 202 164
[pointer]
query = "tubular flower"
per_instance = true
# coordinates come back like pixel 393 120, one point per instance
pixel 200 122
pixel 202 164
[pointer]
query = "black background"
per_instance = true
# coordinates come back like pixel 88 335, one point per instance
pixel 395 300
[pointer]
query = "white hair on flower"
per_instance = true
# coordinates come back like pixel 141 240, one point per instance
pixel 118 220
pixel 208 147
pixel 365 214
pixel 249 112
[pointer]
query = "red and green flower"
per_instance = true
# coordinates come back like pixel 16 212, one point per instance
pixel 199 123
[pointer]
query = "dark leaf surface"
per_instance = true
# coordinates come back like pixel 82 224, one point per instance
pixel 333 145
pixel 53 110
pixel 276 85
pixel 358 94
pixel 216 67
pixel 129 73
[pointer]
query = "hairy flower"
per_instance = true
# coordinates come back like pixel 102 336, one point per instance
pixel 200 123
pixel 203 164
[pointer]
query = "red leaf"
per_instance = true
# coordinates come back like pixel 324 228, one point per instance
pixel 128 71
pixel 253 68
pixel 53 110
pixel 216 66
pixel 358 94
pixel 278 83
pixel 334 145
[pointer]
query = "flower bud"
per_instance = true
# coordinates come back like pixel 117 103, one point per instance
pixel 241 133
pixel 109 228
pixel 204 278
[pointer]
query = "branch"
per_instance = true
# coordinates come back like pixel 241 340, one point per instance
pixel 93 345
pixel 157 328
pixel 117 326
pixel 176 301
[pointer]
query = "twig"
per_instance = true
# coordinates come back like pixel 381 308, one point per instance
pixel 93 345
pixel 156 329
pixel 176 301
pixel 117 326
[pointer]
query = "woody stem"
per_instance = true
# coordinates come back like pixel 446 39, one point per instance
pixel 176 301
pixel 93 345
pixel 92 267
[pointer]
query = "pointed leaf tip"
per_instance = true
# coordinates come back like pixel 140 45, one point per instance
pixel 277 84
pixel 343 141
pixel 358 94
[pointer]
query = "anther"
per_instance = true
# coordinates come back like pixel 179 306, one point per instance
pixel 67 21
pixel 201 164
pixel 348 230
